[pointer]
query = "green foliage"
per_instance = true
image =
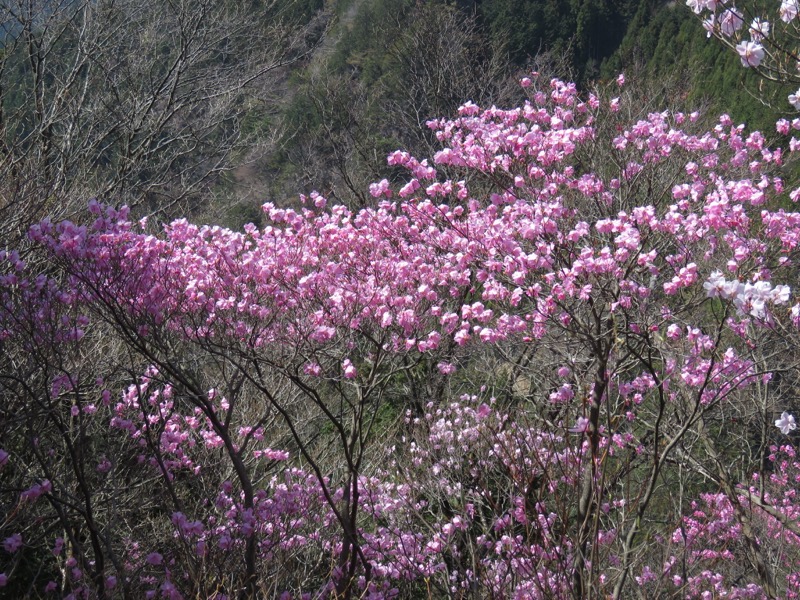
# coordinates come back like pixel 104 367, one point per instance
pixel 666 42
pixel 297 11
pixel 588 31
pixel 529 26
pixel 363 47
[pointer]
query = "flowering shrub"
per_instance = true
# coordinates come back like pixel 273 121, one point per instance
pixel 212 413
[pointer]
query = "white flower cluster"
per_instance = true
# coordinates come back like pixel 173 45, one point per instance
pixel 748 298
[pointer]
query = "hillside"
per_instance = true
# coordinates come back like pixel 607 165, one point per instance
pixel 318 300
pixel 383 68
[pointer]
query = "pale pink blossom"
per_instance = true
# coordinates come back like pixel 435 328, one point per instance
pixel 581 425
pixel 794 99
pixel 446 368
pixel 786 423
pixel 349 369
pixel 730 21
pixel 751 53
pixel 789 10
pixel 759 29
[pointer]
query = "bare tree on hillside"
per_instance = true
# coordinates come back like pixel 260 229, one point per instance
pixel 133 102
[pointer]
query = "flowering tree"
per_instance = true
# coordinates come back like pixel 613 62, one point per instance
pixel 297 406
pixel 763 34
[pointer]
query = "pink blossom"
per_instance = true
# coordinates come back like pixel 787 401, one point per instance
pixel 380 189
pixel 502 260
pixel 349 369
pixel 271 454
pixel 751 53
pixel 730 21
pixel 563 394
pixel 581 425
pixel 759 29
pixel 794 99
pixel 789 10
pixel 446 368
pixel 483 411
pixel 312 369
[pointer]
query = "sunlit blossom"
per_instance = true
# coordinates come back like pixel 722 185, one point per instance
pixel 794 99
pixel 759 29
pixel 730 21
pixel 750 53
pixel 789 10
pixel 581 425
pixel 786 423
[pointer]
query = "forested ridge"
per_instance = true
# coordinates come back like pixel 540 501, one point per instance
pixel 399 299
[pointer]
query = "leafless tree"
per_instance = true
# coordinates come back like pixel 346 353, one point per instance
pixel 128 101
